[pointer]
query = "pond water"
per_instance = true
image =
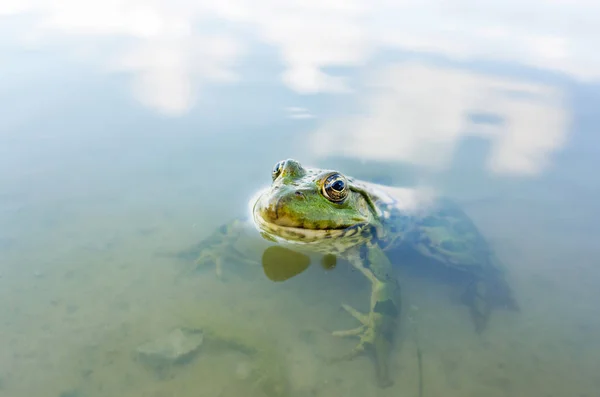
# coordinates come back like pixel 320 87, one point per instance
pixel 131 130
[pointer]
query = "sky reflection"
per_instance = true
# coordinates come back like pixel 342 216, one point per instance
pixel 418 109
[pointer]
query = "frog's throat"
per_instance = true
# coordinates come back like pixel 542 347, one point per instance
pixel 305 235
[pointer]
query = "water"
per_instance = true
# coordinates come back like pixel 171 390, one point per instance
pixel 130 131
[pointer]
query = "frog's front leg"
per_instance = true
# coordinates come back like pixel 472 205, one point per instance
pixel 379 326
pixel 233 242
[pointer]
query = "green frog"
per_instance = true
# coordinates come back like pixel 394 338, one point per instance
pixel 326 212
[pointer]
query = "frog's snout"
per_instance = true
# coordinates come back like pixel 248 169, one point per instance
pixel 270 211
pixel 277 209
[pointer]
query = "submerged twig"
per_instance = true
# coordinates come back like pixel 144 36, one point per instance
pixel 414 323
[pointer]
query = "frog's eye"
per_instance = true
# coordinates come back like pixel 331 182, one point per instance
pixel 335 188
pixel 277 169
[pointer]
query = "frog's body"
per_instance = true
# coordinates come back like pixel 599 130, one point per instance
pixel 326 212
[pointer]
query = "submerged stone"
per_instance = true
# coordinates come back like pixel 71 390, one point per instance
pixel 178 346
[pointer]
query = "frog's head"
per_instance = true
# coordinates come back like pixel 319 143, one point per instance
pixel 308 204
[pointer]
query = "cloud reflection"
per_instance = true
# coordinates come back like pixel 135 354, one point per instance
pixel 295 112
pixel 173 42
pixel 160 44
pixel 418 113
pixel 414 112
pixel 167 72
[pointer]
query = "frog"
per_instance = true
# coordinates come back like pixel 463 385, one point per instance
pixel 324 211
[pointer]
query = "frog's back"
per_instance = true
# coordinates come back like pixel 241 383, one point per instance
pixel 447 234
pixel 435 226
pixel 439 229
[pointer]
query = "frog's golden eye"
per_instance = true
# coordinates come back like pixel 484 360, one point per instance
pixel 277 170
pixel 335 188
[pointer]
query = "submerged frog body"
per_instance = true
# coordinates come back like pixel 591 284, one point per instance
pixel 326 212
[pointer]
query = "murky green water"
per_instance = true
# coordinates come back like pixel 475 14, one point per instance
pixel 129 132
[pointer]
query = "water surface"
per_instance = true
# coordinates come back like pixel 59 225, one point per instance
pixel 131 130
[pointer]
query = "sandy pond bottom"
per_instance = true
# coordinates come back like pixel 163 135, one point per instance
pixel 76 304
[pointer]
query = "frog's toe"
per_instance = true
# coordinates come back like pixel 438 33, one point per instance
pixel 351 332
pixel 221 257
pixel 363 318
pixel 363 332
pixel 210 257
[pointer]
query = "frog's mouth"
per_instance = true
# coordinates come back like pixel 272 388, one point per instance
pixel 300 234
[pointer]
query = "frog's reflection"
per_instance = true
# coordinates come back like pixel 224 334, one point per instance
pixel 281 264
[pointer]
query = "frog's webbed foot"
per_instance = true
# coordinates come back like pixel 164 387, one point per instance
pixel 219 249
pixel 476 299
pixel 371 340
pixel 482 296
pixel 218 256
pixel 364 332
pixel 370 343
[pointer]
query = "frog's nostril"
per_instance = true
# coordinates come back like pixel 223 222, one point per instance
pixel 298 193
